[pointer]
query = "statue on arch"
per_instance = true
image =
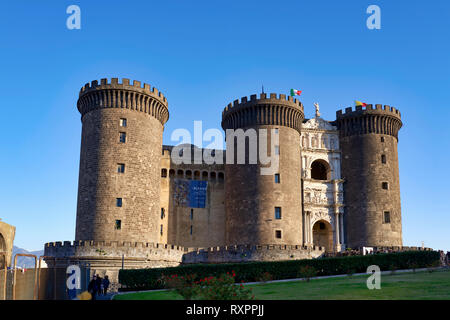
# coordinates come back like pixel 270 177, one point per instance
pixel 316 104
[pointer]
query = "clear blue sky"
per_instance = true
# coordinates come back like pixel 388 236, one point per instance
pixel 203 55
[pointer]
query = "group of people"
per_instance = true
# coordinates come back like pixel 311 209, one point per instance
pixel 98 286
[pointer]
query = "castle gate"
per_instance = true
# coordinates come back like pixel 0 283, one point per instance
pixel 323 235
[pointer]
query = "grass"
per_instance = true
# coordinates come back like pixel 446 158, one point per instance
pixel 402 286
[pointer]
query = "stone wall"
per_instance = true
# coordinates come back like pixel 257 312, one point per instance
pixel 248 253
pixel 251 195
pixel 100 183
pixel 7 233
pixel 107 258
pixel 208 223
pixel 368 140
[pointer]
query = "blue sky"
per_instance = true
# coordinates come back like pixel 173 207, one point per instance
pixel 203 55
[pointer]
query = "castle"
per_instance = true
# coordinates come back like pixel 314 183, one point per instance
pixel 336 185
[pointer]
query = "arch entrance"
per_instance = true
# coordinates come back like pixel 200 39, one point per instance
pixel 320 170
pixel 323 235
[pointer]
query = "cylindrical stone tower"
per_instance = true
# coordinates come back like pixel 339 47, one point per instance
pixel 368 141
pixel 263 207
pixel 119 178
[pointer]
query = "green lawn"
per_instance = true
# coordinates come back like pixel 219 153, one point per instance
pixel 419 285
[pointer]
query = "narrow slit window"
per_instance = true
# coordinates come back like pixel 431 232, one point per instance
pixel 122 137
pixel 387 217
pixel 277 178
pixel 277 213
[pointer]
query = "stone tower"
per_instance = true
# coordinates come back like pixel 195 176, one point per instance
pixel 119 179
pixel 368 139
pixel 264 208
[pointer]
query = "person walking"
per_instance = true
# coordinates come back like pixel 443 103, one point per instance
pixel 105 283
pixel 93 287
pixel 99 285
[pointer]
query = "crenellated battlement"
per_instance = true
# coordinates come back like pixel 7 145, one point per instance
pixel 98 250
pixel 124 95
pixel 112 244
pixel 377 119
pixel 369 109
pixel 263 98
pixel 243 253
pixel 272 109
pixel 247 247
pixel 115 84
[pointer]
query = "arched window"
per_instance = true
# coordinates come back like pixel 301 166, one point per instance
pixel 196 175
pixel 221 176
pixel 213 176
pixel 171 173
pixel 205 175
pixel 188 174
pixel 163 173
pixel 180 173
pixel 320 170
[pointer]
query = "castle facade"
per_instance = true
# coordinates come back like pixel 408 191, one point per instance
pixel 336 184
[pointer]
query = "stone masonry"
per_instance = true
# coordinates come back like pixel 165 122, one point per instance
pixel 335 184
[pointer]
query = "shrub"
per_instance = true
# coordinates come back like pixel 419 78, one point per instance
pixel 413 265
pixel 350 272
pixel 393 268
pixel 184 285
pixel 146 279
pixel 265 276
pixel 307 272
pixel 222 288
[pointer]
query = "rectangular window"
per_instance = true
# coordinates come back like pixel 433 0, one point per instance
pixel 192 214
pixel 161 231
pixel 277 212
pixel 277 178
pixel 163 213
pixel 191 230
pixel 276 130
pixel 383 158
pixel 277 149
pixel 387 217
pixel 118 202
pixel 118 225
pixel 278 234
pixel 385 185
pixel 122 137
pixel 382 139
pixel 123 122
pixel 120 167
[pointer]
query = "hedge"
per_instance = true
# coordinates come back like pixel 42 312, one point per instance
pixel 147 279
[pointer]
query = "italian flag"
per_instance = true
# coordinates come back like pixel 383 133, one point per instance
pixel 359 103
pixel 295 92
